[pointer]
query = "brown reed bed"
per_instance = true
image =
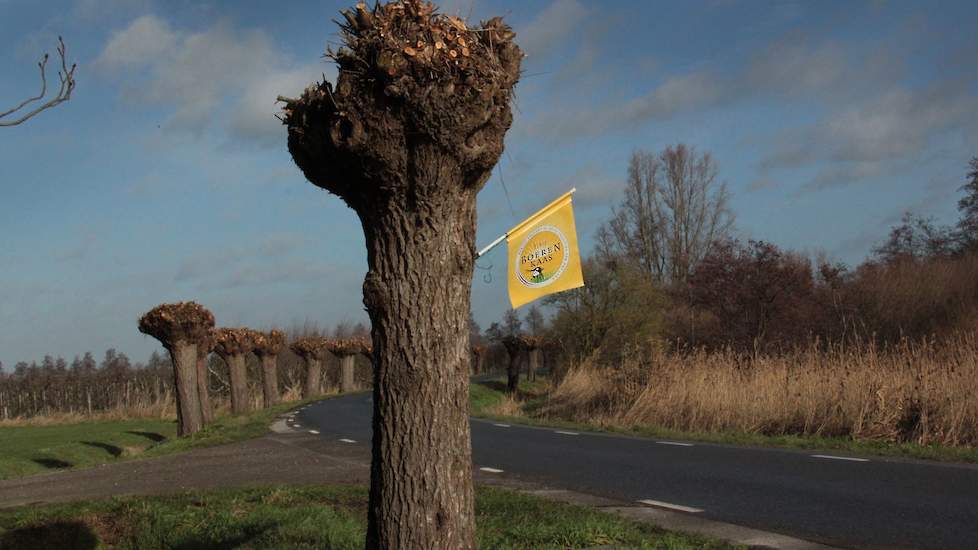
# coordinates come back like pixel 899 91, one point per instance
pixel 923 392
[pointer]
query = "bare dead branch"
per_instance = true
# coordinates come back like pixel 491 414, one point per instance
pixel 67 77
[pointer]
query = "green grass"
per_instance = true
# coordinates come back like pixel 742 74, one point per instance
pixel 28 450
pixel 487 394
pixel 309 517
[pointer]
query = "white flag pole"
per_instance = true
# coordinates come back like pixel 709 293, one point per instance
pixel 492 245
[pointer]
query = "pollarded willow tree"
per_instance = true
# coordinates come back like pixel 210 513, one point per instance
pixel 267 347
pixel 179 327
pixel 478 358
pixel 514 349
pixel 407 138
pixel 533 346
pixel 234 345
pixel 346 350
pixel 205 345
pixel 312 350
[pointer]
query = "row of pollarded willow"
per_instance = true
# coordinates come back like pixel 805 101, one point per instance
pixel 186 330
pixel 314 350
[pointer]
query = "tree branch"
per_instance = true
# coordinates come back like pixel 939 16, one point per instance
pixel 67 77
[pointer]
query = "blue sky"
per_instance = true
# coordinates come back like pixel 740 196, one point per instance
pixel 166 176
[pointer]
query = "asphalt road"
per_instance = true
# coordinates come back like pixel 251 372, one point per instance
pixel 823 497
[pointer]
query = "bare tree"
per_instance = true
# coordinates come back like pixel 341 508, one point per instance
pixel 674 210
pixel 67 77
pixel 968 208
pixel 407 138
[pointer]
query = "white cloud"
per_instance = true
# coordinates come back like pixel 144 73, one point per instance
pixel 869 138
pixel 550 28
pixel 220 75
pixel 143 42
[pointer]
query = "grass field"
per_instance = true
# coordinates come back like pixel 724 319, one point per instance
pixel 32 449
pixel 308 517
pixel 533 406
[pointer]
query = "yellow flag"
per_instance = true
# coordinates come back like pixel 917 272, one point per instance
pixel 543 253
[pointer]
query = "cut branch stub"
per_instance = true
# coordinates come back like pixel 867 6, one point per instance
pixel 397 88
pixel 314 347
pixel 182 321
pixel 532 342
pixel 268 343
pixel 343 347
pixel 233 341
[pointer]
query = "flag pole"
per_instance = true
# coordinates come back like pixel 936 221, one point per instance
pixel 492 245
pixel 502 237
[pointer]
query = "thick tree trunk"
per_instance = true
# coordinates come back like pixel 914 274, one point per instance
pixel 269 377
pixel 203 391
pixel 184 358
pixel 239 383
pixel 513 373
pixel 314 374
pixel 417 292
pixel 347 373
pixel 533 364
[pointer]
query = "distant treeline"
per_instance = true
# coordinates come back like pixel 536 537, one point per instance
pixel 116 384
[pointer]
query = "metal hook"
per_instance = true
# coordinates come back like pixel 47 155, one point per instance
pixel 487 277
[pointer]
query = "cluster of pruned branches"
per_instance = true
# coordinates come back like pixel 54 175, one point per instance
pixel 29 107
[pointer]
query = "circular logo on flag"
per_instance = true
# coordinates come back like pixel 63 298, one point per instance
pixel 542 257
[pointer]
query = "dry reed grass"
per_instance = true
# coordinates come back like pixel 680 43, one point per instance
pixel 919 392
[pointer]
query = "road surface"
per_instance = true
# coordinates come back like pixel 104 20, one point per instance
pixel 824 497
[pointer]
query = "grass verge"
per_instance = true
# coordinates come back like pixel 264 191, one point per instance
pixel 490 400
pixel 309 517
pixel 30 450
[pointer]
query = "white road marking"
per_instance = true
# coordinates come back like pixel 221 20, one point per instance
pixel 344 440
pixel 565 433
pixel 676 443
pixel 849 458
pixel 296 426
pixel 491 470
pixel 679 507
pixel 314 432
pixel 501 425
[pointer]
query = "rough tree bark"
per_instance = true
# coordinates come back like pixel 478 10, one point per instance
pixel 347 381
pixel 267 347
pixel 178 327
pixel 407 139
pixel 233 344
pixel 204 347
pixel 314 377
